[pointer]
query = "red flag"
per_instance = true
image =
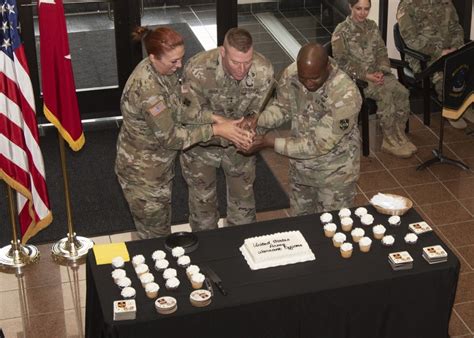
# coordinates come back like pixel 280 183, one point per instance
pixel 21 161
pixel 57 79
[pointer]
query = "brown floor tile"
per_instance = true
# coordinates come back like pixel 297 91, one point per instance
pixel 51 298
pixel 415 124
pixel 446 213
pixel 469 204
pixel 456 326
pixel 463 149
pixel 56 324
pixel 466 312
pixel 411 176
pixel 447 172
pixel 423 137
pixel 459 234
pixel 429 193
pixel 360 200
pixel 273 214
pixel 370 163
pixel 377 181
pixel 467 252
pixel 465 291
pixel 426 153
pixel 462 188
pixel 453 135
pixel 392 162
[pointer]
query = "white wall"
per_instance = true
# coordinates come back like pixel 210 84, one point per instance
pixel 374 11
pixel 472 22
pixel 391 20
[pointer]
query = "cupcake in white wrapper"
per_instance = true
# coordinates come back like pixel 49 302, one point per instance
pixel 344 212
pixel 184 261
pixel 161 265
pixel 177 252
pixel 379 231
pixel 169 273
pixel 146 278
pixel 151 290
pixel 128 292
pixel 118 262
pixel 388 240
pixel 191 270
pixel 364 244
pixel 325 218
pixel 394 221
pixel 137 260
pixel 124 282
pixel 158 254
pixel 367 219
pixel 338 239
pixel 330 229
pixel 346 250
pixel 118 273
pixel 141 269
pixel 346 223
pixel 360 211
pixel 357 234
pixel 197 279
pixel 411 238
pixel 172 283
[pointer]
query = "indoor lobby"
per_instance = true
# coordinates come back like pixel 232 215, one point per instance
pixel 49 300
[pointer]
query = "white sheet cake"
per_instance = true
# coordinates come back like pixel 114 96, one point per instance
pixel 277 249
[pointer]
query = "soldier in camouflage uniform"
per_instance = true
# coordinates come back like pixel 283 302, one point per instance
pixel 360 51
pixel 432 27
pixel 230 81
pixel 149 138
pixel 323 104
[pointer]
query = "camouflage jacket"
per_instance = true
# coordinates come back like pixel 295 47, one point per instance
pixel 213 91
pixel 324 139
pixel 429 26
pixel 359 49
pixel 149 137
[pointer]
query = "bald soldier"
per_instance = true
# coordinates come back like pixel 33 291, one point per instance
pixel 323 104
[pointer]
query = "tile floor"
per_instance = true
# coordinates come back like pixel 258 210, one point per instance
pixel 53 301
pixel 443 195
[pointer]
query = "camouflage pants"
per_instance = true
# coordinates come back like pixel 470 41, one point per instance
pixel 393 105
pixel 201 180
pixel 150 206
pixel 306 200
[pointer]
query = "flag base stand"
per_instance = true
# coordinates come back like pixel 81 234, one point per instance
pixel 71 249
pixel 17 255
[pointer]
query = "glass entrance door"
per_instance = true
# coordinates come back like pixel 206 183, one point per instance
pixel 102 53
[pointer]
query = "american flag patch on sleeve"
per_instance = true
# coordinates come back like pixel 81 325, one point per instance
pixel 157 108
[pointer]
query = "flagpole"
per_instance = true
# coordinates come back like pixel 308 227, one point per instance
pixel 16 255
pixel 71 248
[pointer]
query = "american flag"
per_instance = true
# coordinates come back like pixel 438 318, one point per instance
pixel 21 161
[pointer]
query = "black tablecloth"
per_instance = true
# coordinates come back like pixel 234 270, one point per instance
pixel 329 297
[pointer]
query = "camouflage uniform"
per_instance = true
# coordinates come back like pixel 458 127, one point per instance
pixel 216 92
pixel 147 146
pixel 324 146
pixel 359 49
pixel 429 26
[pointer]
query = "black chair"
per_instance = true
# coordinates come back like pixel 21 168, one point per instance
pixel 368 108
pixel 410 79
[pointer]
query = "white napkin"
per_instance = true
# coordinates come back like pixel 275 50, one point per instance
pixel 388 202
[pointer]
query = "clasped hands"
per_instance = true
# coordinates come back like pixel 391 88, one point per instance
pixel 241 133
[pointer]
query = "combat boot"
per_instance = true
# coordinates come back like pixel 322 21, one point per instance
pixel 403 138
pixel 390 145
pixel 469 114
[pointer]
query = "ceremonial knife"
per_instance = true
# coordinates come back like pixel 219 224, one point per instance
pixel 215 278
